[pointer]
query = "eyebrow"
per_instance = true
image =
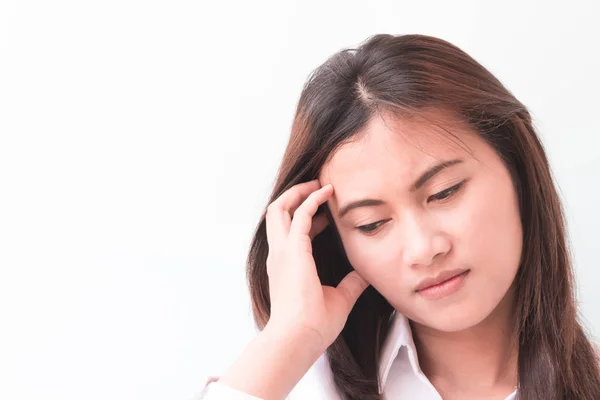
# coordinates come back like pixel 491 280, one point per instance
pixel 419 183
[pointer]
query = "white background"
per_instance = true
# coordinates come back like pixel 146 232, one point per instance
pixel 139 141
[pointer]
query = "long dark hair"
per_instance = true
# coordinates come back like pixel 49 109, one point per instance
pixel 408 74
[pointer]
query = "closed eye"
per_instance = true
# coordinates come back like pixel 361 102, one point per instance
pixel 444 194
pixel 370 228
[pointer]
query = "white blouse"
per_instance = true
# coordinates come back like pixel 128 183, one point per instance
pixel 400 374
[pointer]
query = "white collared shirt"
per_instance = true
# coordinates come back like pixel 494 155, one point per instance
pixel 401 376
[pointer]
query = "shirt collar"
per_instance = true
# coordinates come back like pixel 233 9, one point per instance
pixel 399 335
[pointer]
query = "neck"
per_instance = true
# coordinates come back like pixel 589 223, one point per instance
pixel 483 358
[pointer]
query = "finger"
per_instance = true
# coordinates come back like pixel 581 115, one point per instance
pixel 294 196
pixel 350 288
pixel 319 223
pixel 302 221
pixel 277 227
pixel 279 216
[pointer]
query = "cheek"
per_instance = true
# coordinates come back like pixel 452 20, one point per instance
pixel 363 258
pixel 377 262
pixel 491 230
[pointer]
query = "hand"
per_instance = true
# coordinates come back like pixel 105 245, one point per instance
pixel 299 303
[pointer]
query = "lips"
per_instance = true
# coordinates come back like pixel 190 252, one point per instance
pixel 439 278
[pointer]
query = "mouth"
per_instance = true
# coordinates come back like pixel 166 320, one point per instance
pixel 442 285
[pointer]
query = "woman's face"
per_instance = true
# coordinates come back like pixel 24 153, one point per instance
pixel 424 226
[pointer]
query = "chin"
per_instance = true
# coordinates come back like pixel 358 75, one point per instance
pixel 454 317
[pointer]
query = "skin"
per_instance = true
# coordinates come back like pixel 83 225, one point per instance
pixel 464 340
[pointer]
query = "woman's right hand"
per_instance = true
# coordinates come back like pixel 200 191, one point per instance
pixel 306 317
pixel 299 303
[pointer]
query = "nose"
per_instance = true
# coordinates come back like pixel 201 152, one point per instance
pixel 422 240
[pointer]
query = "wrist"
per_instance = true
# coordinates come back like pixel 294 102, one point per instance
pixel 293 339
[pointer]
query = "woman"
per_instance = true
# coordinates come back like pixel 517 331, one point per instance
pixel 441 268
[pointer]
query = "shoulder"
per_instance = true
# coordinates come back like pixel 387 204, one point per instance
pixel 317 383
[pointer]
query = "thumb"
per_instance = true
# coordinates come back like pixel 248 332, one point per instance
pixel 350 289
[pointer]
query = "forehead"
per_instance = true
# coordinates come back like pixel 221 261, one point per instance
pixel 391 150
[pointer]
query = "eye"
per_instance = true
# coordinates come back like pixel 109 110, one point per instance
pixel 444 194
pixel 370 228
